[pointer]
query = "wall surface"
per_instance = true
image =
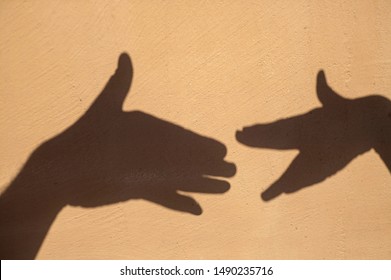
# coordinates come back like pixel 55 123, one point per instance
pixel 211 67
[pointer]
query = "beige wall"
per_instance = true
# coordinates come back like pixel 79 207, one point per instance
pixel 211 67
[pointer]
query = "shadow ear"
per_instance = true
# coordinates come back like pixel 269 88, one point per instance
pixel 110 100
pixel 326 95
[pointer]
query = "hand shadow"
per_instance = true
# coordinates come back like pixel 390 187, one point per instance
pixel 109 156
pixel 328 138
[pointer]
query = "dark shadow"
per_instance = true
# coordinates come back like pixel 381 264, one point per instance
pixel 328 137
pixel 109 156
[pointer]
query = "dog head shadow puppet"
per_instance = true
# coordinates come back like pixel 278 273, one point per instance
pixel 328 138
pixel 109 156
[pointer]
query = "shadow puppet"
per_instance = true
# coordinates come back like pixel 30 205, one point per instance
pixel 328 137
pixel 108 156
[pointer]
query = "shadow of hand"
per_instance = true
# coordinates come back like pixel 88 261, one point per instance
pixel 109 156
pixel 328 138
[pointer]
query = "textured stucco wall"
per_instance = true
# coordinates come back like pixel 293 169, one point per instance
pixel 211 67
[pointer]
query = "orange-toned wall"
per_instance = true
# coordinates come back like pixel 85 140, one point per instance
pixel 212 67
